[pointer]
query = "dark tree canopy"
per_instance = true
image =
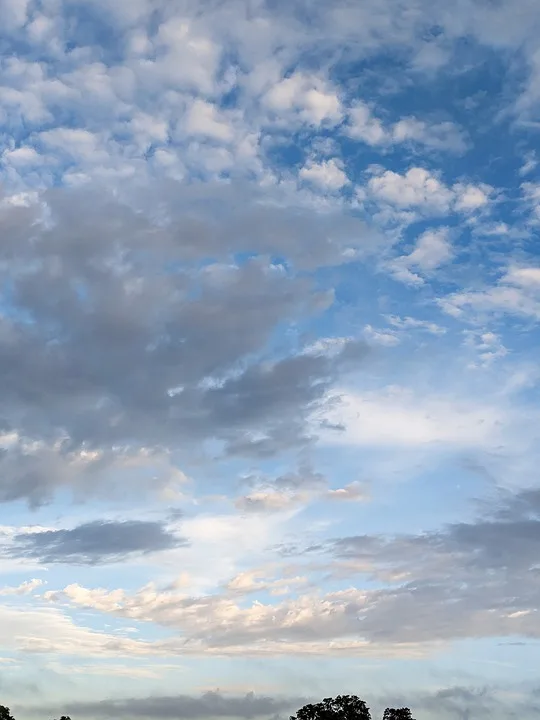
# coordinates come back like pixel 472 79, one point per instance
pixel 343 707
pixel 397 714
pixel 5 713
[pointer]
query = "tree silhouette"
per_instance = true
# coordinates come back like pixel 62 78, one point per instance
pixel 343 707
pixel 397 714
pixel 5 713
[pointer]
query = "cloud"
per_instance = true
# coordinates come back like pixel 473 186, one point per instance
pixel 292 490
pixel 473 579
pixel 424 192
pixel 46 630
pixel 355 491
pixel 310 624
pixel 307 97
pixel 327 174
pixel 517 292
pixel 188 707
pixel 432 250
pixel 396 417
pixel 94 543
pixel 386 338
pixel 417 188
pixel 471 197
pixel 437 136
pixel 467 579
pixel 24 588
pixel 365 126
pixel 410 323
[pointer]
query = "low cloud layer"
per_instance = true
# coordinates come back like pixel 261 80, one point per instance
pixel 187 707
pixel 468 580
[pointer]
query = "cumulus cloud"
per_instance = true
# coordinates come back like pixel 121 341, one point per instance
pixel 424 192
pixel 307 97
pixel 327 174
pixel 432 250
pixel 417 188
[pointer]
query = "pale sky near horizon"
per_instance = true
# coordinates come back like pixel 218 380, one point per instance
pixel 269 369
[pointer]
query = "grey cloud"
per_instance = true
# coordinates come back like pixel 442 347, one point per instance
pixel 476 579
pixel 457 703
pixel 94 543
pixel 452 703
pixel 285 491
pixel 137 329
pixel 188 707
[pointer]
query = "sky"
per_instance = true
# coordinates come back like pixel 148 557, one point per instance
pixel 269 307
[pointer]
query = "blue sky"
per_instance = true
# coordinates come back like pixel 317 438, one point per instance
pixel 269 305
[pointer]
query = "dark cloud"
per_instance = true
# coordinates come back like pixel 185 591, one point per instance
pixel 208 705
pixel 95 542
pixel 127 328
pixel 457 703
pixel 450 703
pixel 476 579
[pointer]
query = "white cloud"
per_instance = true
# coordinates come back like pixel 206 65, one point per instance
pixel 381 337
pixel 529 164
pixel 49 631
pixel 354 491
pixel 187 59
pixel 432 250
pixel 307 96
pixel 148 128
pixel 488 345
pixel 523 276
pixel 396 417
pixel 409 323
pixel 417 188
pixel 328 174
pixel 26 588
pixel 516 293
pixel 364 126
pixel 219 624
pixel 14 14
pixel 265 501
pixel 203 118
pixel 23 157
pixel 76 142
pixel 471 197
pixel 438 136
pixel 531 193
pixel 425 192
